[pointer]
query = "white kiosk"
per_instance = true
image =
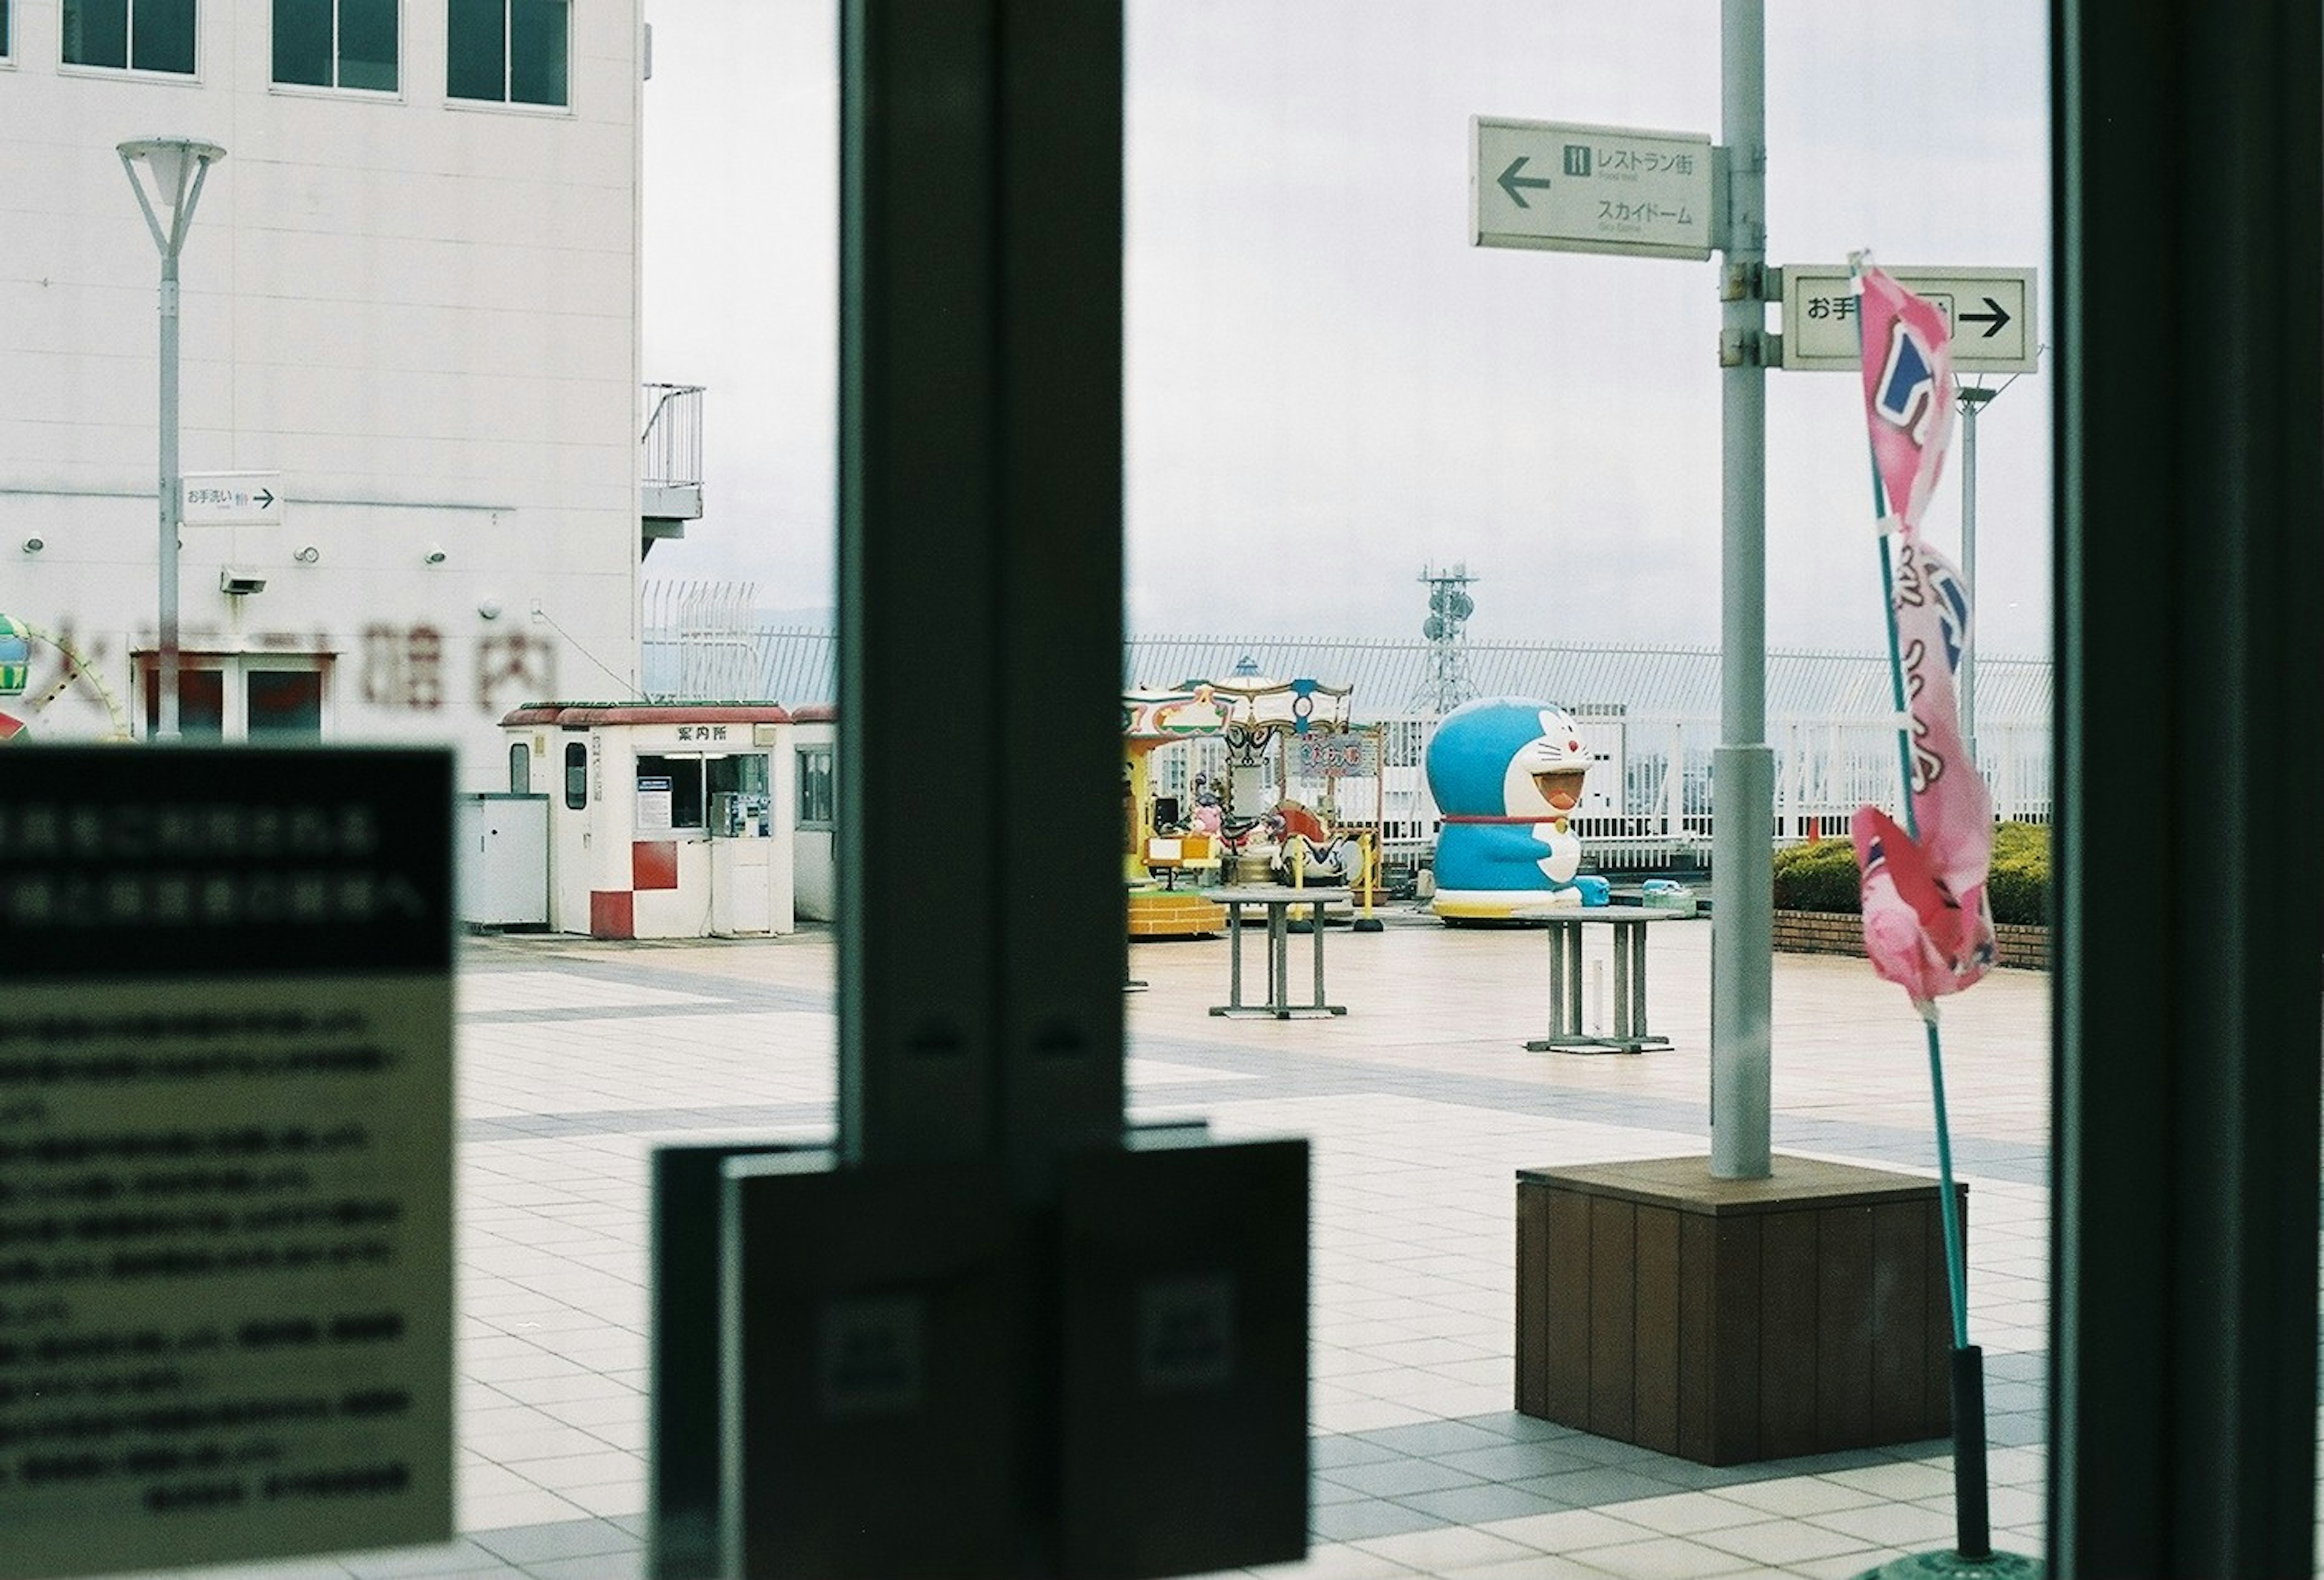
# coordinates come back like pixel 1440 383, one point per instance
pixel 666 819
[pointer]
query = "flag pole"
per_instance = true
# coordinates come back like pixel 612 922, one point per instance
pixel 1972 1518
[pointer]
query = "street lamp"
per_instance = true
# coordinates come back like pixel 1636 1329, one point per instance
pixel 175 167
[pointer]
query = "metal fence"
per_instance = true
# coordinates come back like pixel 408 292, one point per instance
pixel 1646 805
pixel 672 443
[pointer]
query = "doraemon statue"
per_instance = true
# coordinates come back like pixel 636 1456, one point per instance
pixel 1507 775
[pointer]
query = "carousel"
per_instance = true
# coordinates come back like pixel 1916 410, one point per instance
pixel 1238 826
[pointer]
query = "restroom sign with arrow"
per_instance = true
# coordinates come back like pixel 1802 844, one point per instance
pixel 1990 312
pixel 1564 188
pixel 231 498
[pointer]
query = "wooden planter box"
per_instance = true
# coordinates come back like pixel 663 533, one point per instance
pixel 1842 933
pixel 1732 1321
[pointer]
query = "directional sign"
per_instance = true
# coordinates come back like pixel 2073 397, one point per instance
pixel 1989 311
pixel 231 498
pixel 1570 189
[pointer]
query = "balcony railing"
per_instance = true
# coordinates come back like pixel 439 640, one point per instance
pixel 673 435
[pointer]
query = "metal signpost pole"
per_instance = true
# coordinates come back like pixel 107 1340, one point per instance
pixel 1972 401
pixel 1742 969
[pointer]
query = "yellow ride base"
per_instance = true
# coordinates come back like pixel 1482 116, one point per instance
pixel 1174 913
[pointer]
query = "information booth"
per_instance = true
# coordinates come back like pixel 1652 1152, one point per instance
pixel 666 819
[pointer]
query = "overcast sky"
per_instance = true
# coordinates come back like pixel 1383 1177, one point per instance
pixel 1327 385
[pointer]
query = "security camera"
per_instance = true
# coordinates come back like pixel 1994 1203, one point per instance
pixel 241 584
pixel 490 609
pixel 435 556
pixel 34 545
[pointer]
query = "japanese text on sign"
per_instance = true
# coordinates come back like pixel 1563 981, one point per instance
pixel 225 1156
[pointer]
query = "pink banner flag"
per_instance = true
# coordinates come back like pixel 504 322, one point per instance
pixel 1927 927
pixel 1908 392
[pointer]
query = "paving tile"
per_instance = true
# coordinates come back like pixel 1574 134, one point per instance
pixel 1334 1561
pixel 623 1566
pixel 1367 1519
pixel 1434 1437
pixel 569 1538
pixel 1515 1461
pixel 1436 1551
pixel 1684 1514
pixel 462 1557
pixel 1668 1558
pixel 1325 1452
pixel 1795 1497
pixel 1568 1531
pixel 1393 1478
pixel 1903 1525
pixel 1479 1505
pixel 1589 1489
pixel 1781 1541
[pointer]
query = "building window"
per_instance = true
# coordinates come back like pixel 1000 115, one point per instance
pixel 508 51
pixel 137 35
pixel 520 768
pixel 577 776
pixel 201 702
pixel 335 43
pixel 285 704
pixel 8 36
pixel 817 802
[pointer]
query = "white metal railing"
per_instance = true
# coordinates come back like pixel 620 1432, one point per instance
pixel 673 437
pixel 1647 802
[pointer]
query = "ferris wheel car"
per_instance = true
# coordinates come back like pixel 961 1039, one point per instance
pixel 15 657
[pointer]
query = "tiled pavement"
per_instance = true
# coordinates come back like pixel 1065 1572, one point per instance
pixel 577 1059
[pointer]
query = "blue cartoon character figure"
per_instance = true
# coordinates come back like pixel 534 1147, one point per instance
pixel 1506 775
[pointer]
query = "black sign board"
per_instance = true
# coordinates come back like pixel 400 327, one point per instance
pixel 225 1099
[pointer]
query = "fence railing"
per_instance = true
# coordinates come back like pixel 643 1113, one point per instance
pixel 1648 802
pixel 673 437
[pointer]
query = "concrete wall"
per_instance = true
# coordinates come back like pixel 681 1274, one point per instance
pixel 424 313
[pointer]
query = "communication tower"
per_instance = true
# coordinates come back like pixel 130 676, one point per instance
pixel 1447 684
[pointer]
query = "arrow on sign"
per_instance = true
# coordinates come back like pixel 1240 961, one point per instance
pixel 265 498
pixel 1997 317
pixel 1510 181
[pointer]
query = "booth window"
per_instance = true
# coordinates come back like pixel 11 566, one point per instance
pixel 818 803
pixel 577 776
pixel 7 37
pixel 737 788
pixel 137 35
pixel 520 768
pixel 685 776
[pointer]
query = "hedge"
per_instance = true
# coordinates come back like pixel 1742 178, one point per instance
pixel 1820 876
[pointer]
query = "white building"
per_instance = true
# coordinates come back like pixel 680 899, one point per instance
pixel 411 289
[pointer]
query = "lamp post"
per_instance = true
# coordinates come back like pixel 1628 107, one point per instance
pixel 175 167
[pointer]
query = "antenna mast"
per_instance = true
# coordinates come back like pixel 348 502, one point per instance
pixel 1448 683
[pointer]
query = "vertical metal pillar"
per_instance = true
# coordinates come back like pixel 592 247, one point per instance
pixel 2190 430
pixel 918 528
pixel 1742 970
pixel 1972 402
pixel 1058 578
pixel 981 581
